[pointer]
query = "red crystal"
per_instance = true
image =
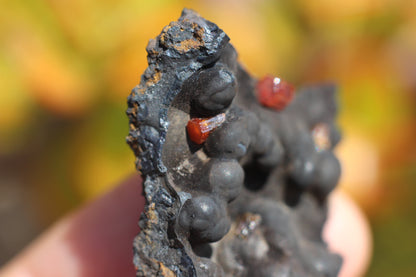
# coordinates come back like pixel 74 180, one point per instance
pixel 199 128
pixel 274 92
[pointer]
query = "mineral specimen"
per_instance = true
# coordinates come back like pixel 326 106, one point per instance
pixel 236 171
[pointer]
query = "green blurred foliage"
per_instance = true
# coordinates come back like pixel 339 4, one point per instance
pixel 66 68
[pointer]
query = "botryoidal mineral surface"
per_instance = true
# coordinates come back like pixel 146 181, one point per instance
pixel 236 172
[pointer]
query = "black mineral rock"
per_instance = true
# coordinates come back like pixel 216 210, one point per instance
pixel 234 185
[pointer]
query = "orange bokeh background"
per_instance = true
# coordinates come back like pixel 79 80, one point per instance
pixel 66 68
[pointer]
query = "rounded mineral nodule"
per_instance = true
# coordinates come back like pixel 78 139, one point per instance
pixel 230 141
pixel 226 178
pixel 328 172
pixel 215 91
pixel 205 218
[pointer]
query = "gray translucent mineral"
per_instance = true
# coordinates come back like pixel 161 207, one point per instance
pixel 249 200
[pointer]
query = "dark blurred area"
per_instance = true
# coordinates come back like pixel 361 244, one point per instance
pixel 66 68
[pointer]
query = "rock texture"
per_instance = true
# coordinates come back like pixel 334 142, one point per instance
pixel 249 197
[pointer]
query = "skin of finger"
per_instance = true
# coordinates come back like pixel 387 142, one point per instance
pixel 93 241
pixel 348 233
pixel 96 241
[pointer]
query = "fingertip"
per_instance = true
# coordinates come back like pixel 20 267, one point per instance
pixel 101 235
pixel 95 241
pixel 348 233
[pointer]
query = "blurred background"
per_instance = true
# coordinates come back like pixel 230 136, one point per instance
pixel 66 68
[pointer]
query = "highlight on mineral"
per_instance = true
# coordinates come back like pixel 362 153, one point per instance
pixel 236 171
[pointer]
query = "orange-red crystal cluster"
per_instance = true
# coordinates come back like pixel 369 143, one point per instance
pixel 275 93
pixel 199 128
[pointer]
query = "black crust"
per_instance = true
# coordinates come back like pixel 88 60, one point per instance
pixel 259 176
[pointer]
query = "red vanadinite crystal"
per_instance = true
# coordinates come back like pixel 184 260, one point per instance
pixel 274 92
pixel 199 128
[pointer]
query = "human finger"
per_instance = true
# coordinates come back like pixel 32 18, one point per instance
pixel 93 241
pixel 348 233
